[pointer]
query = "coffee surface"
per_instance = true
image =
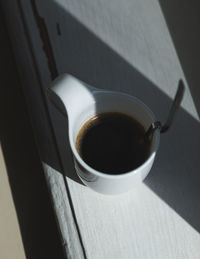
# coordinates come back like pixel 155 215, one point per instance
pixel 112 143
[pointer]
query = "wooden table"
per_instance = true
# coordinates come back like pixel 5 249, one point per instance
pixel 124 46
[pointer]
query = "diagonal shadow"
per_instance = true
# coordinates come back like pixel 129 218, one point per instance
pixel 184 30
pixel 175 175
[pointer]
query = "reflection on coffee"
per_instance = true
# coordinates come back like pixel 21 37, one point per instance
pixel 112 143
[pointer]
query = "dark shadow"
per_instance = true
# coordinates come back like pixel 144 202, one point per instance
pixel 26 177
pixel 175 175
pixel 64 150
pixel 183 20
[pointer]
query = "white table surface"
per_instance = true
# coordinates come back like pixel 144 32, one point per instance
pixel 124 46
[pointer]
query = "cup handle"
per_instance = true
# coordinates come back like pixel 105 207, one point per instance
pixel 69 95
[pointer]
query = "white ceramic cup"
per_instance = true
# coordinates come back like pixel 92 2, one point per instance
pixel 80 102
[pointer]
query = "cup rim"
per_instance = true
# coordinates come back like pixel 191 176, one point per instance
pixel 134 171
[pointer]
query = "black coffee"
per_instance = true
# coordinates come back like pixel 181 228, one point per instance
pixel 112 143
